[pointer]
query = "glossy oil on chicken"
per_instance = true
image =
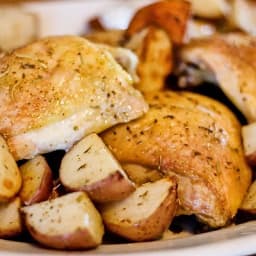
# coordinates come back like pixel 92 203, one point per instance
pixel 55 91
pixel 197 140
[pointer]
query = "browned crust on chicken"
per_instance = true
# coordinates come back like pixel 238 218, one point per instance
pixel 198 140
pixel 68 84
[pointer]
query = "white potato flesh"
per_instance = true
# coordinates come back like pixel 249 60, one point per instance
pixel 249 141
pixel 140 174
pixel 37 181
pixel 145 214
pixel 10 220
pixel 90 166
pixel 249 202
pixel 10 178
pixel 68 222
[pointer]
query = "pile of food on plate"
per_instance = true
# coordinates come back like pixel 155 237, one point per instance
pixel 104 133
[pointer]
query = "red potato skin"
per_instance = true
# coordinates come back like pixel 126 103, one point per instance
pixel 10 233
pixel 251 158
pixel 158 222
pixel 252 211
pixel 113 188
pixel 80 239
pixel 44 190
pixel 57 190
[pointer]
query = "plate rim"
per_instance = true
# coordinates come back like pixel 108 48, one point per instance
pixel 234 240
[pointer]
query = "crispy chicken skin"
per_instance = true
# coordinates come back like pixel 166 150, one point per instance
pixel 56 90
pixel 196 139
pixel 230 61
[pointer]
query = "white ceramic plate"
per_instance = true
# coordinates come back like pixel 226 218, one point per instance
pixel 69 17
pixel 237 240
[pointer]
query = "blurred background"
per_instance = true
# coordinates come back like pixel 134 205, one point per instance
pixel 24 21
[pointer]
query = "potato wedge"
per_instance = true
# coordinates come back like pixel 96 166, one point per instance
pixel 140 175
pixel 171 16
pixel 249 141
pixel 67 222
pixel 90 166
pixel 10 178
pixel 37 181
pixel 145 214
pixel 249 202
pixel 154 49
pixel 10 220
pixel 166 22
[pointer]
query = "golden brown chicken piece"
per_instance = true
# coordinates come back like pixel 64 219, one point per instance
pixel 196 139
pixel 230 61
pixel 55 91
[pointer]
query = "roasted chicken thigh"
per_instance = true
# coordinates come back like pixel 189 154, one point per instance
pixel 197 140
pixel 227 60
pixel 55 91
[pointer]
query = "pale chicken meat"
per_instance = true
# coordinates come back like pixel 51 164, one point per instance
pixel 56 90
pixel 197 140
pixel 227 60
